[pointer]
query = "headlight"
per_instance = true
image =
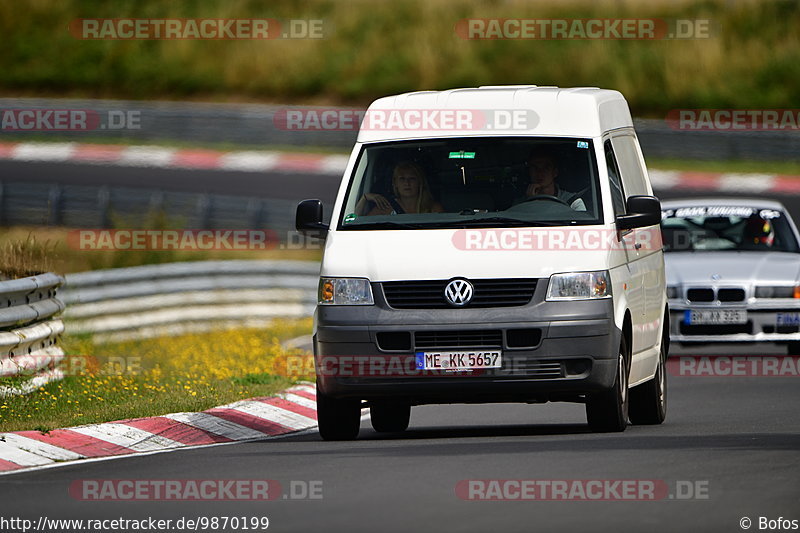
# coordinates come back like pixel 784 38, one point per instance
pixel 672 292
pixel 579 286
pixel 778 292
pixel 345 291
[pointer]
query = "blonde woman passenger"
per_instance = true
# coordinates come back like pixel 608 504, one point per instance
pixel 410 194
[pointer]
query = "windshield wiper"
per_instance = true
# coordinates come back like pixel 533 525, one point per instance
pixel 384 225
pixel 488 221
pixel 507 221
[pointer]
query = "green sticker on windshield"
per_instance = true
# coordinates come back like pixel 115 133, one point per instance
pixel 462 155
pixel 349 218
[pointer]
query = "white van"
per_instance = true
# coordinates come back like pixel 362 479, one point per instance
pixel 498 244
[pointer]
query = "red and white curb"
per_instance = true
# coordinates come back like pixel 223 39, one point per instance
pixel 725 182
pixel 295 409
pixel 161 157
pixel 334 165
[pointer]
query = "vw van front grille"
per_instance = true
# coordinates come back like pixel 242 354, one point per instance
pixel 492 338
pixel 429 294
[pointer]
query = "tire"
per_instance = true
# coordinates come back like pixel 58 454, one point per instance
pixel 793 348
pixel 338 419
pixel 649 400
pixel 608 411
pixel 389 417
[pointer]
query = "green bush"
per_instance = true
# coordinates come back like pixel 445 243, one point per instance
pixel 379 48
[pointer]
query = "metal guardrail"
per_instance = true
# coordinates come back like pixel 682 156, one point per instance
pixel 29 331
pixel 255 125
pixel 87 206
pixel 174 298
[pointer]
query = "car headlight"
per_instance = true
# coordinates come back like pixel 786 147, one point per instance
pixel 672 292
pixel 345 291
pixel 778 292
pixel 579 286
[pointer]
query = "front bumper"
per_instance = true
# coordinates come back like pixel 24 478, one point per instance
pixel 570 350
pixel 762 326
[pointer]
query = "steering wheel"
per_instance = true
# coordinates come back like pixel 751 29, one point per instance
pixel 549 197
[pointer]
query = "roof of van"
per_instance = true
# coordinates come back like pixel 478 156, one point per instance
pixel 496 110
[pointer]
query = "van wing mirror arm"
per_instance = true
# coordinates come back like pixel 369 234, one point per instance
pixel 642 211
pixel 308 219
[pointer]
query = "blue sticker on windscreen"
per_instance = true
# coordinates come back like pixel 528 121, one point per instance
pixel 583 144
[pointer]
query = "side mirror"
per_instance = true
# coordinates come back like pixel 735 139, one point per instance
pixel 642 211
pixel 308 219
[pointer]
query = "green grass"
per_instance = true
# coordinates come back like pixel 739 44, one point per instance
pixel 50 251
pixel 378 48
pixel 157 376
pixel 75 401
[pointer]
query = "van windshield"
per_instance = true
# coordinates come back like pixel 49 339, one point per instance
pixel 466 182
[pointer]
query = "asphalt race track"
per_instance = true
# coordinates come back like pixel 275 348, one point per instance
pixel 734 440
pixel 278 185
pixel 728 449
pixel 275 185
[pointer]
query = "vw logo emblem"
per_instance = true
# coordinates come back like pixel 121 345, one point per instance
pixel 458 292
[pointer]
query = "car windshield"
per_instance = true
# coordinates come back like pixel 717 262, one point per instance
pixel 464 182
pixel 734 228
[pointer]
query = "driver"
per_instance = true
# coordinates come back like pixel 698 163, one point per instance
pixel 758 232
pixel 543 170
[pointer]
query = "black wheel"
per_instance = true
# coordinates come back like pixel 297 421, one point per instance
pixel 649 400
pixel 338 419
pixel 608 411
pixel 793 348
pixel 388 417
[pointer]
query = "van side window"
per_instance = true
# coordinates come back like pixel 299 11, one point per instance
pixel 630 163
pixel 617 192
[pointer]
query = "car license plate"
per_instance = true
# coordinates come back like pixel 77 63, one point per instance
pixel 466 360
pixel 788 319
pixel 716 316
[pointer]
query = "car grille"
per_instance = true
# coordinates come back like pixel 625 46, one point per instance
pixel 430 294
pixel 730 295
pixel 534 369
pixel 491 338
pixel 723 295
pixel 700 295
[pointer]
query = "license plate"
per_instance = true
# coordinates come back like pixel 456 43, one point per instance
pixel 788 319
pixel 716 316
pixel 467 360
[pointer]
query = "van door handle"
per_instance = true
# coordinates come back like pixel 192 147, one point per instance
pixel 638 246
